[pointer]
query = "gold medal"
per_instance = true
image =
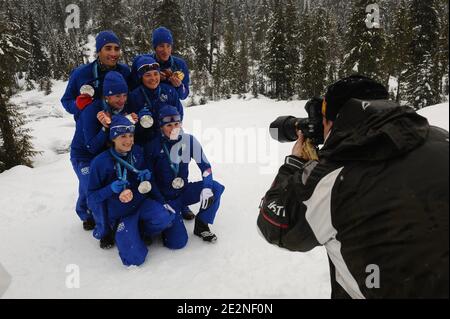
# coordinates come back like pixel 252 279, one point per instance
pixel 180 75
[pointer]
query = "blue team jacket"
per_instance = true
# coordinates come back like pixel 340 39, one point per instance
pixel 174 64
pixel 153 100
pixel 86 74
pixel 188 148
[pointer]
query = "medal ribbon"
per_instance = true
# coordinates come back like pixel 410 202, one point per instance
pixel 126 165
pixel 175 167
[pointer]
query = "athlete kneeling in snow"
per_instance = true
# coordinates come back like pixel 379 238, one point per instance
pixel 119 185
pixel 170 155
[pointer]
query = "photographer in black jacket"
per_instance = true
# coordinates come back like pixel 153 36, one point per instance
pixel 377 198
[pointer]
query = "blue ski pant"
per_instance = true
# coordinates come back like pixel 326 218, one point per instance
pixel 176 237
pixel 82 170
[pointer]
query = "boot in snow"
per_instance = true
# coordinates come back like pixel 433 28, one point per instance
pixel 202 230
pixel 187 213
pixel 89 224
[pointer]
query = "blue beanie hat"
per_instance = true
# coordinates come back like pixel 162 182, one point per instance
pixel 105 37
pixel 146 60
pixel 162 35
pixel 114 84
pixel 166 111
pixel 120 125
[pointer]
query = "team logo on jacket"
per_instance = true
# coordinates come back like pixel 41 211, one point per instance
pixel 164 97
pixel 121 227
pixel 277 210
pixel 85 171
pixel 365 105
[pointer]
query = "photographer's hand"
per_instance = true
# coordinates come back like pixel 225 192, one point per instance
pixel 298 147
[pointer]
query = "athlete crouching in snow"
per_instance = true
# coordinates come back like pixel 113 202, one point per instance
pixel 170 155
pixel 91 136
pixel 119 185
pixel 377 199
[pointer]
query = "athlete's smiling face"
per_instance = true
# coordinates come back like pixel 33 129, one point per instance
pixel 109 55
pixel 163 52
pixel 117 102
pixel 151 79
pixel 124 143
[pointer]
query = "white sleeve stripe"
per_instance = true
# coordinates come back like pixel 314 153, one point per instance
pixel 318 215
pixel 294 162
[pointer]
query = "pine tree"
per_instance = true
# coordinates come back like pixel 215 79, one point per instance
pixel 115 15
pixel 200 74
pixel 14 49
pixel 422 76
pixel 445 48
pixel 275 53
pixel 261 25
pixel 364 46
pixel 39 67
pixel 243 63
pixel 200 44
pixel 167 13
pixel 214 43
pixel 15 145
pixel 314 53
pixel 334 46
pixel 291 29
pixel 443 51
pixel 229 58
pixel 398 48
pixel 15 140
pixel 217 75
pixel 137 34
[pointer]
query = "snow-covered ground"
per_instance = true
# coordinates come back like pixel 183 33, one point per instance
pixel 42 238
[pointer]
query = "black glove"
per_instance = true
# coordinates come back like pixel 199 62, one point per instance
pixel 107 242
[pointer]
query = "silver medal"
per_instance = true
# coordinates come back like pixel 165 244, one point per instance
pixel 178 183
pixel 87 89
pixel 147 121
pixel 145 187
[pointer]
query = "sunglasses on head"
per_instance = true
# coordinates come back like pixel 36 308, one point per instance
pixel 148 67
pixel 122 129
pixel 171 119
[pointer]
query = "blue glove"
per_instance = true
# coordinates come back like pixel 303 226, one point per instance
pixel 143 112
pixel 145 175
pixel 118 186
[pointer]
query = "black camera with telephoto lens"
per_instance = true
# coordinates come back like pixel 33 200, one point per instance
pixel 284 129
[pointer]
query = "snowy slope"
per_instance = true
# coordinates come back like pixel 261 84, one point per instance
pixel 41 235
pixel 437 115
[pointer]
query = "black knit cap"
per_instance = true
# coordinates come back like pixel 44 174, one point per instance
pixel 355 86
